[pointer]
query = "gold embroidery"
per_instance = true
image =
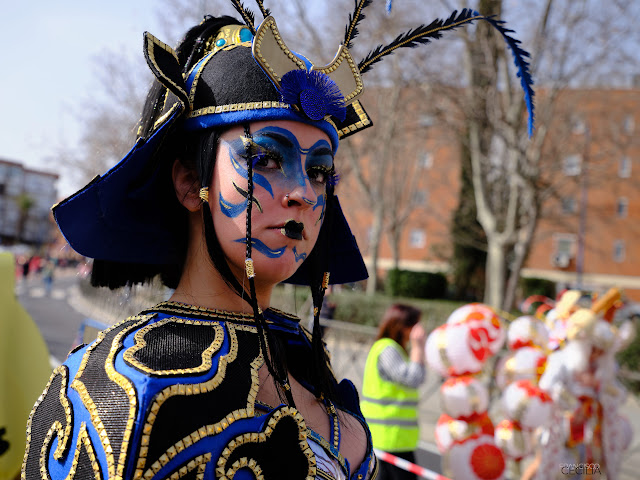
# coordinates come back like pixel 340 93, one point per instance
pixel 237 106
pixel 63 433
pixel 129 354
pixel 200 462
pixel 178 308
pixel 224 473
pixel 196 389
pixel 364 120
pixel 114 471
pixel 84 439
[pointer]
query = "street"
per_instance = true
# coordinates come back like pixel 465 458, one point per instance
pixel 57 320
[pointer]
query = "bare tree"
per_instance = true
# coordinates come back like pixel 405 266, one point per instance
pixel 514 175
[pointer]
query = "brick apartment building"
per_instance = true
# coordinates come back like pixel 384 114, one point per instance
pixel 588 227
pixel 26 197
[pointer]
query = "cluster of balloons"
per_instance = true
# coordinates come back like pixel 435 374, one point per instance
pixel 459 350
pixel 538 377
pixel 525 405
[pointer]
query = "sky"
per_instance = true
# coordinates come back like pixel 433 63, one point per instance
pixel 49 50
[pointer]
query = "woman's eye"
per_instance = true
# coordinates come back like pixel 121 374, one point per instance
pixel 267 161
pixel 318 175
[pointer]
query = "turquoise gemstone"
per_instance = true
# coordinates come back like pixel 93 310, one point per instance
pixel 220 42
pixel 245 35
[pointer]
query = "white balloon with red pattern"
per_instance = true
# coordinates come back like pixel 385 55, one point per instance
pixel 464 396
pixel 525 363
pixel 527 331
pixel 512 439
pixel 527 404
pixel 457 349
pixel 478 458
pixel 485 319
pixel 451 430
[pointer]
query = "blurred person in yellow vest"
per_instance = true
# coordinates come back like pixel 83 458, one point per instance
pixel 24 368
pixel 394 370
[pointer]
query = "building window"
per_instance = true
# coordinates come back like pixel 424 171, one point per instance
pixel 629 124
pixel 417 238
pixel 420 197
pixel 564 248
pixel 578 125
pixel 568 205
pixel 618 251
pixel 572 165
pixel 624 167
pixel 622 207
pixel 425 160
pixel 426 120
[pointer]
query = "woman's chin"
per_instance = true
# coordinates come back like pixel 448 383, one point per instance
pixel 275 271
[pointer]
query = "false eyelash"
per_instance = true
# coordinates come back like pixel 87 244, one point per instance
pixel 333 178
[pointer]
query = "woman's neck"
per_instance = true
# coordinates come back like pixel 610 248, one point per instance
pixel 202 285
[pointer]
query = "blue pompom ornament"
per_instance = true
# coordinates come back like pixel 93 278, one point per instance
pixel 314 93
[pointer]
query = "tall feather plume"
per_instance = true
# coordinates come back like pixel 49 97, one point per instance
pixel 247 15
pixel 420 35
pixel 351 29
pixel 520 59
pixel 424 34
pixel 265 11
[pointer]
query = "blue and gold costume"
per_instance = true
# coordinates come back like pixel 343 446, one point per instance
pixel 171 393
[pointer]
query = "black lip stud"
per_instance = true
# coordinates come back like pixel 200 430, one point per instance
pixel 293 229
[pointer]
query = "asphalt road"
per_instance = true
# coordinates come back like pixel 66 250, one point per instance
pixel 57 320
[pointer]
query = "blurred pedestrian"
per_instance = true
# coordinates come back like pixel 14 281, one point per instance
pixel 47 275
pixel 394 370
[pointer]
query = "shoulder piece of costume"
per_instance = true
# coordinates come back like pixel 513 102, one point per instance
pixel 171 393
pixel 239 74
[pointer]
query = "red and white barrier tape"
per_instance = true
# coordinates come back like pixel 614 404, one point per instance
pixel 408 466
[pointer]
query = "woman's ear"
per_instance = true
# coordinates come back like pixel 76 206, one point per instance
pixel 186 185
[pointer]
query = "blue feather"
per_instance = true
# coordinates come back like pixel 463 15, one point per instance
pixel 520 59
pixel 314 93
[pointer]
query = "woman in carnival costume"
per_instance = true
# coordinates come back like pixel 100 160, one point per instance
pixel 228 191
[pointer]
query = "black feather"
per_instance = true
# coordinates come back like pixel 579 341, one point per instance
pixel 247 15
pixel 420 35
pixel 351 29
pixel 265 11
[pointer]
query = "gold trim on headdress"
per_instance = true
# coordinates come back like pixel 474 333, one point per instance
pixel 276 60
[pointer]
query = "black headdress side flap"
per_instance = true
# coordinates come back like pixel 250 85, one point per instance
pixel 163 62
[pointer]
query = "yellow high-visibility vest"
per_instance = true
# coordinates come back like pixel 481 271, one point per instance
pixel 391 409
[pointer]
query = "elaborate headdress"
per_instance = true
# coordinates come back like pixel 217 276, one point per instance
pixel 225 74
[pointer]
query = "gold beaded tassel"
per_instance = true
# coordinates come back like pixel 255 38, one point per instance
pixel 204 194
pixel 248 266
pixel 325 280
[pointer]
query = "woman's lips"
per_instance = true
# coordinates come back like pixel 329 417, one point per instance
pixel 292 229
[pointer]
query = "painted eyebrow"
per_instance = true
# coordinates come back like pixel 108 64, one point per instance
pixel 280 135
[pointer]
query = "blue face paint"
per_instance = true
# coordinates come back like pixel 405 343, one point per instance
pixel 321 202
pixel 240 165
pixel 262 248
pixel 277 158
pixel 232 210
pixel 299 257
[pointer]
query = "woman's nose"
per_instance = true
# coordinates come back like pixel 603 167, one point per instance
pixel 299 196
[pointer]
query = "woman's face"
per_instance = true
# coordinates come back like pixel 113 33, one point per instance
pixel 291 167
